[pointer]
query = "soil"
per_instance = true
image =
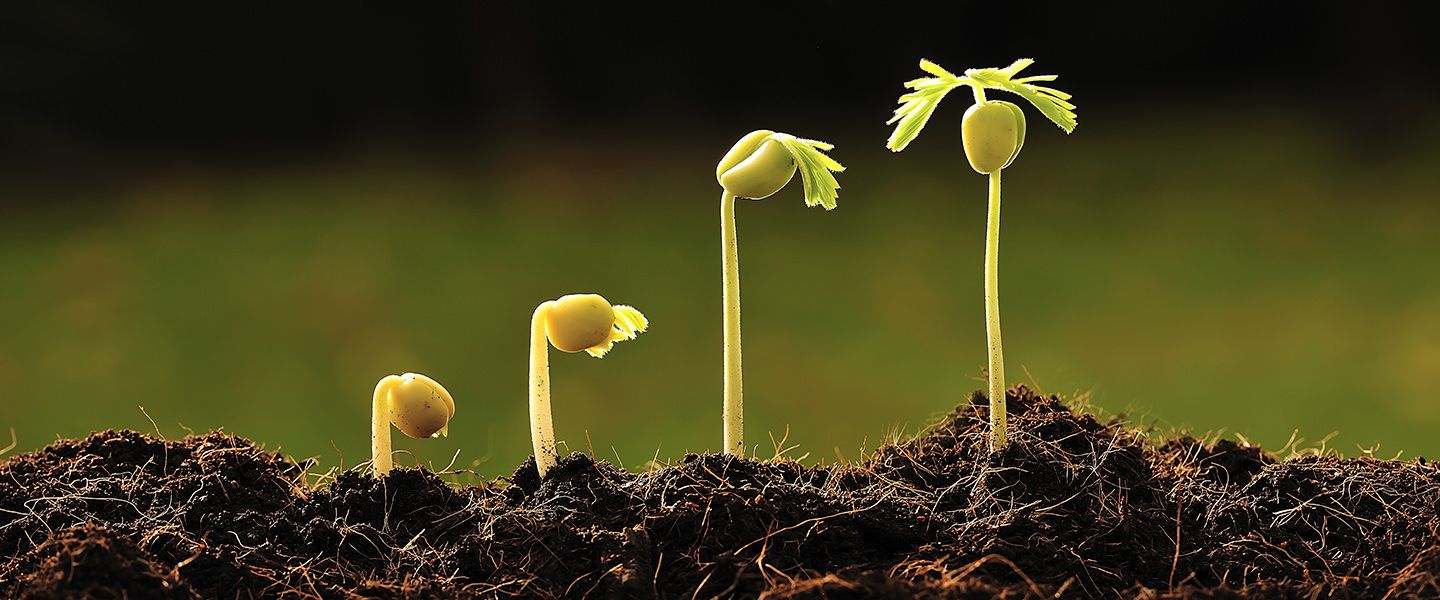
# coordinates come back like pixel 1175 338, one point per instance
pixel 1072 508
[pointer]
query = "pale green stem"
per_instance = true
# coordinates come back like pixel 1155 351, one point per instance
pixel 992 318
pixel 733 412
pixel 542 426
pixel 380 459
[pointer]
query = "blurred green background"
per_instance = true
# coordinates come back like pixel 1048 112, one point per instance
pixel 1258 262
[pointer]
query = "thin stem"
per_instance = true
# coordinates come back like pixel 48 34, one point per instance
pixel 979 92
pixel 992 318
pixel 733 412
pixel 542 426
pixel 380 459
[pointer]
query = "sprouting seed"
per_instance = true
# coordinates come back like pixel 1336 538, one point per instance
pixel 756 167
pixel 573 323
pixel 417 405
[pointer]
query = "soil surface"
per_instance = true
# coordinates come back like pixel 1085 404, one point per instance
pixel 1072 508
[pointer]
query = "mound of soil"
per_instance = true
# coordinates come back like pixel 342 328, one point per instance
pixel 1072 508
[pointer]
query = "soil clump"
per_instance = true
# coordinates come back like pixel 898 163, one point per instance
pixel 1072 508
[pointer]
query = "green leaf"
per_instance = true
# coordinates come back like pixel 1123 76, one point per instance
pixel 816 169
pixel 628 324
pixel 917 106
pixel 935 70
pixel 913 115
pixel 1049 101
pixel 1015 68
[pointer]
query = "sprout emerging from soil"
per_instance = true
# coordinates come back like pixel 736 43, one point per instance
pixel 756 167
pixel 573 323
pixel 417 405
pixel 993 133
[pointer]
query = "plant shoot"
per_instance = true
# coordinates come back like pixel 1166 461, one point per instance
pixel 572 323
pixel 993 133
pixel 417 405
pixel 756 167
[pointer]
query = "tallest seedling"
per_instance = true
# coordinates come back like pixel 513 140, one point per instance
pixel 993 132
pixel 756 167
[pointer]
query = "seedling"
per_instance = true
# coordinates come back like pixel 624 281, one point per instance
pixel 417 405
pixel 993 133
pixel 573 323
pixel 756 167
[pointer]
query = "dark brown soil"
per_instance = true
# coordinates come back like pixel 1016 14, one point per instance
pixel 1073 508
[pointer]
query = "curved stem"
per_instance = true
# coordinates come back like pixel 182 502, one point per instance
pixel 733 412
pixel 380 459
pixel 979 92
pixel 992 318
pixel 542 427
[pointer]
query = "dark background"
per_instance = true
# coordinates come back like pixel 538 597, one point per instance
pixel 298 76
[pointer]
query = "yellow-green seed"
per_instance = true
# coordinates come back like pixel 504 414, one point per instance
pixel 420 407
pixel 1019 130
pixel 756 167
pixel 993 133
pixel 579 321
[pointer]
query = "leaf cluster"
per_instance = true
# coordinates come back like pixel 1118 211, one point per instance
pixel 628 324
pixel 916 106
pixel 817 170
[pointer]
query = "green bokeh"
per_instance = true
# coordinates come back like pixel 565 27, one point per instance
pixel 1262 280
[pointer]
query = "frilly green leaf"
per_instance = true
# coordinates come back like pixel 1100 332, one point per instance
pixel 1016 67
pixel 936 70
pixel 816 169
pixel 915 110
pixel 917 106
pixel 1049 101
pixel 628 324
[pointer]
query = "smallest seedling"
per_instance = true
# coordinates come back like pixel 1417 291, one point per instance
pixel 574 323
pixel 417 405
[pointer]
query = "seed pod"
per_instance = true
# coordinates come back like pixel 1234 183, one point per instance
pixel 579 321
pixel 420 407
pixel 756 167
pixel 993 132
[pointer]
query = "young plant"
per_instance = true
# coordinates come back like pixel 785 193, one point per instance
pixel 572 323
pixel 756 167
pixel 993 133
pixel 417 405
